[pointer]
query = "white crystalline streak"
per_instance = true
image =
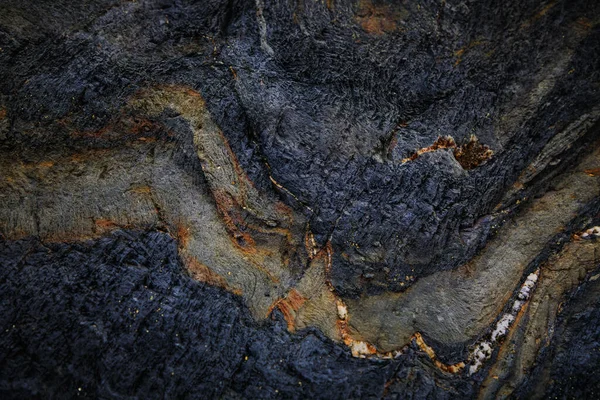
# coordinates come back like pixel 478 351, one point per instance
pixel 484 349
pixel 360 349
pixel 342 310
pixel 517 306
pixel 482 353
pixel 593 231
pixel 502 326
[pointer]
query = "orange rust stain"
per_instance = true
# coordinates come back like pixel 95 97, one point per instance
pixel 288 314
pixel 93 134
pixel 46 164
pixel 453 369
pixel 2 113
pixel 144 189
pixel 310 244
pixel 469 155
pixel 233 220
pixel 544 11
pixel 378 19
pixel 36 165
pixel 357 347
pixel 584 24
pixel 14 234
pixel 233 72
pixel 147 139
pixel 592 172
pixel 102 226
pixel 423 346
pixel 76 158
pixel 106 224
pixel 241 175
pixel 170 88
pixel 502 349
pixel 142 126
pixel 121 126
pixel 204 274
pixel 460 52
pixel 284 210
pixel 188 91
pixel 295 299
pixel 472 154
pixel 342 326
pixel 285 232
pixel 442 142
pixel 288 306
pixel 272 307
pixel 239 231
pixel 327 253
pixel 369 348
pixel 183 235
pixel 538 15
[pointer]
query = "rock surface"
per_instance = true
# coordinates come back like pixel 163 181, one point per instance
pixel 299 198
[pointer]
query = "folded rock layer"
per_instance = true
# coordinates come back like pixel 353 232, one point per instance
pixel 299 198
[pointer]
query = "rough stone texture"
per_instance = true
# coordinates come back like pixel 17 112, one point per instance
pixel 568 367
pixel 301 183
pixel 119 318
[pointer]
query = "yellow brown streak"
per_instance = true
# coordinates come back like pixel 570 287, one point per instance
pixel 233 72
pixel 284 232
pixel 453 369
pixel 506 345
pixel 288 314
pixel 183 235
pixel 468 155
pixel 243 179
pixel 592 172
pixel 472 153
pixel 204 274
pixel 460 52
pixel 309 244
pixel 295 299
pixel 234 193
pixel 442 142
pixel 538 15
pixel 378 19
pixel 282 188
pixel 358 348
pixel 229 211
pixel 288 307
pixel 142 189
pixel 529 333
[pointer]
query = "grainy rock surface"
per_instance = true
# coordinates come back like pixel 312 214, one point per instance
pixel 118 317
pixel 184 184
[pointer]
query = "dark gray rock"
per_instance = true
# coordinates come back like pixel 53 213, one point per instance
pixel 341 111
pixel 119 318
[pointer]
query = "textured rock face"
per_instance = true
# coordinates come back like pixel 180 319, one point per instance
pixel 243 199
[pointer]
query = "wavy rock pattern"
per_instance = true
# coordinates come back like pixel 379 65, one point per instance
pixel 299 199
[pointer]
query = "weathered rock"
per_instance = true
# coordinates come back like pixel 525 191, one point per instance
pixel 413 183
